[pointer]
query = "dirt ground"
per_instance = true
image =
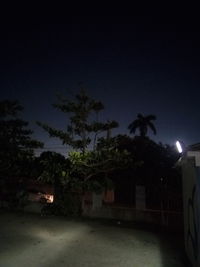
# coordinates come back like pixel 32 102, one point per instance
pixel 28 240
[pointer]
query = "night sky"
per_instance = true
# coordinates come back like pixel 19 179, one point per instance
pixel 134 64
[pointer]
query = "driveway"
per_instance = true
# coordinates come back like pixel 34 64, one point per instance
pixel 28 240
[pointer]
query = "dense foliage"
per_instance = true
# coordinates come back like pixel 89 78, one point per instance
pixel 83 123
pixel 96 160
pixel 17 149
pixel 87 167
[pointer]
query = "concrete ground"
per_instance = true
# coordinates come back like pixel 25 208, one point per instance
pixel 28 240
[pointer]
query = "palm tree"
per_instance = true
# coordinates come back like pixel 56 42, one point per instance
pixel 142 123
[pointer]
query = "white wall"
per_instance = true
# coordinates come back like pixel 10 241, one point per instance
pixel 191 203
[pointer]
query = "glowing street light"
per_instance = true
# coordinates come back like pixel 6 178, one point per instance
pixel 179 147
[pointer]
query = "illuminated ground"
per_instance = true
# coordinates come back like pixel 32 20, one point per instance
pixel 34 241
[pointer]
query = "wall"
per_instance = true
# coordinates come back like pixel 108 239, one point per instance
pixel 191 205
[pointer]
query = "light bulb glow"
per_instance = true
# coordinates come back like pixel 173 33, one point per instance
pixel 179 147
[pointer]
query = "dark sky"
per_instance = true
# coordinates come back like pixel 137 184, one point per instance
pixel 133 64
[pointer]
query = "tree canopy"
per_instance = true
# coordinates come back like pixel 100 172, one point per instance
pixel 83 123
pixel 16 143
pixel 143 123
pixel 89 166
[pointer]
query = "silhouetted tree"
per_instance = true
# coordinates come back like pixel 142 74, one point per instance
pixel 16 153
pixel 16 143
pixel 142 123
pixel 88 167
pixel 81 125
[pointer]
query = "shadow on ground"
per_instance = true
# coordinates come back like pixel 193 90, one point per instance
pixel 169 243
